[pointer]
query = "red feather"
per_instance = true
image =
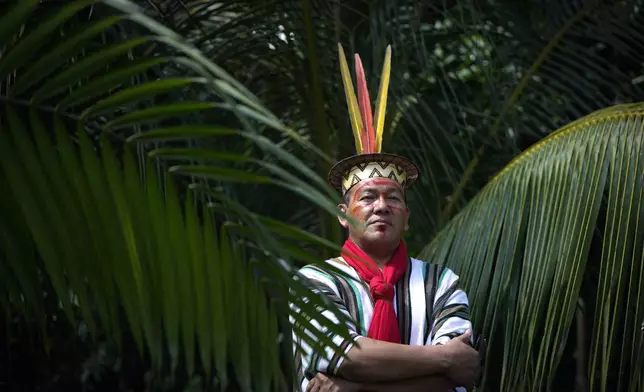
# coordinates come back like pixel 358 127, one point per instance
pixel 368 133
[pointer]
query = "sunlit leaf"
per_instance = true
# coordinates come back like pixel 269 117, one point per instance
pixel 522 247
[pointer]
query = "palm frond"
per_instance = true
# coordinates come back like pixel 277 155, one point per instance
pixel 561 62
pixel 269 47
pixel 526 246
pixel 187 266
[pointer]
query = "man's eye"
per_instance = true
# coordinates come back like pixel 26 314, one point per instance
pixel 366 197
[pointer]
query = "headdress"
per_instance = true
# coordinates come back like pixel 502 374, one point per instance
pixel 369 161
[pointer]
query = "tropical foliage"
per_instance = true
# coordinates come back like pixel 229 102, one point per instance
pixel 527 247
pixel 473 83
pixel 194 277
pixel 241 102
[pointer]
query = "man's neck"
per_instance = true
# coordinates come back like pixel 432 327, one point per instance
pixel 381 261
pixel 380 256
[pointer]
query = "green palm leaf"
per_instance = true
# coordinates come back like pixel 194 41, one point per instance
pixel 554 53
pixel 523 248
pixel 120 235
pixel 112 232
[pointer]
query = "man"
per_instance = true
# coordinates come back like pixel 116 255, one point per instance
pixel 410 328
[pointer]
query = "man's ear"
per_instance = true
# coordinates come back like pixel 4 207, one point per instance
pixel 407 219
pixel 343 222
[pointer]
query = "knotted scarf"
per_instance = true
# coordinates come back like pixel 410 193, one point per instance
pixel 384 323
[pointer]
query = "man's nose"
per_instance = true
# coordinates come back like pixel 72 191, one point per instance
pixel 381 205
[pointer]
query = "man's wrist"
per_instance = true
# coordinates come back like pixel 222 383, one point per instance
pixel 360 386
pixel 439 356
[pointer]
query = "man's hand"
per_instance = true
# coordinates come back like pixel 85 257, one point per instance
pixel 465 363
pixel 324 383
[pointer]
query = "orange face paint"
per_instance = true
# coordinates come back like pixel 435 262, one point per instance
pixel 375 182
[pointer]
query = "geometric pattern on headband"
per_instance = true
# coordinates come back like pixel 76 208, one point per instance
pixel 367 170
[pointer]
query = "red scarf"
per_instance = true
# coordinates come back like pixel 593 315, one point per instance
pixel 384 324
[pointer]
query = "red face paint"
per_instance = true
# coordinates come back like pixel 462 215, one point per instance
pixel 375 182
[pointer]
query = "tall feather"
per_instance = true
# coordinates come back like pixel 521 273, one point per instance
pixel 352 104
pixel 368 134
pixel 381 103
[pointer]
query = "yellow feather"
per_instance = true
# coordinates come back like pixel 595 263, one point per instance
pixel 352 102
pixel 381 103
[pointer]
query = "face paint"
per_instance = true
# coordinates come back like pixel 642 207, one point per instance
pixel 375 182
pixel 376 200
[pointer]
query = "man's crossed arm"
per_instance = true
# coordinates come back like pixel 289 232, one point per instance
pixel 324 383
pixel 443 363
pixel 377 366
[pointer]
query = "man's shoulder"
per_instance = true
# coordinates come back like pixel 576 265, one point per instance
pixel 319 268
pixel 331 268
pixel 445 274
pixel 331 274
pixel 323 265
pixel 428 264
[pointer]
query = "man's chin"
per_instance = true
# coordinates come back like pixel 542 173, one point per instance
pixel 381 236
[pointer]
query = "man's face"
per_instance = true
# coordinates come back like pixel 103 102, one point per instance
pixel 379 205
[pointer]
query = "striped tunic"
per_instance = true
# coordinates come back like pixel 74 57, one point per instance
pixel 419 324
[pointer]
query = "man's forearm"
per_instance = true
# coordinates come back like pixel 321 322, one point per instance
pixel 377 361
pixel 422 384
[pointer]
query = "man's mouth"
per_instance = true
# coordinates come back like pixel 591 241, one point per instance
pixel 380 222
